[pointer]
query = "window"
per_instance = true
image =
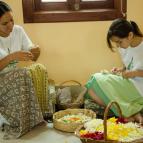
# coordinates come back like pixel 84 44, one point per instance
pixel 40 11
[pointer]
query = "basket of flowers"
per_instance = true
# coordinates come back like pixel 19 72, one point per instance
pixel 68 120
pixel 70 94
pixel 113 130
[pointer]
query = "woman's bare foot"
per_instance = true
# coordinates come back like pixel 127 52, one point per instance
pixel 130 119
pixel 135 118
pixel 139 118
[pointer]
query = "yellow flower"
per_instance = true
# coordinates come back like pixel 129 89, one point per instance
pixel 83 132
pixel 112 136
pixel 113 119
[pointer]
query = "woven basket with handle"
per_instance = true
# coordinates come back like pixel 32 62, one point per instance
pixel 77 93
pixel 105 128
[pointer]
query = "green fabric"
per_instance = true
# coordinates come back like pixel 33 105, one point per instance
pixel 111 87
pixel 87 96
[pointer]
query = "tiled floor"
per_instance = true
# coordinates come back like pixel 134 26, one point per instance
pixel 44 134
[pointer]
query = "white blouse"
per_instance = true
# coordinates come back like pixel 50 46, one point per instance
pixel 16 41
pixel 132 58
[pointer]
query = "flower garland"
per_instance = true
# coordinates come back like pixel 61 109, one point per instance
pixel 117 129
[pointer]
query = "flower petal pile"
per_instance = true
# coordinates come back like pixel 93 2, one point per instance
pixel 77 118
pixel 117 129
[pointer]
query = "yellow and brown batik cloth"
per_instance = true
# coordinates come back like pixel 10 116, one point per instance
pixel 38 73
pixel 18 103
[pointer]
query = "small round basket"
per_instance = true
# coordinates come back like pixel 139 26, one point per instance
pixel 105 140
pixel 70 127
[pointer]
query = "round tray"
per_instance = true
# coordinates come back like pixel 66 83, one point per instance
pixel 70 127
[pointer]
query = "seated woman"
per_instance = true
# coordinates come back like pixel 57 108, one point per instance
pixel 19 106
pixel 123 85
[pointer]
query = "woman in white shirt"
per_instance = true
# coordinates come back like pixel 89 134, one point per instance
pixel 19 106
pixel 123 85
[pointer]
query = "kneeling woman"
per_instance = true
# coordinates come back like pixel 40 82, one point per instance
pixel 123 85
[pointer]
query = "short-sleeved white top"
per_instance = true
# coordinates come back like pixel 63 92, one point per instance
pixel 17 40
pixel 132 58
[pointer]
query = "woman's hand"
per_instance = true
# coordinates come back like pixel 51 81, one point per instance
pixel 36 52
pixel 116 70
pixel 21 56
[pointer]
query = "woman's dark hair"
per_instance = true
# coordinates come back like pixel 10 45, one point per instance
pixel 121 28
pixel 4 8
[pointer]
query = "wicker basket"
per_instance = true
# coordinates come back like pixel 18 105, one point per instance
pixel 105 129
pixel 70 127
pixel 77 93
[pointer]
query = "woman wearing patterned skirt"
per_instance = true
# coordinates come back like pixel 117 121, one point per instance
pixel 19 105
pixel 123 85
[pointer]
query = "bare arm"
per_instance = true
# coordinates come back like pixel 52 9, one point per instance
pixel 19 56
pixel 132 74
pixel 5 61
